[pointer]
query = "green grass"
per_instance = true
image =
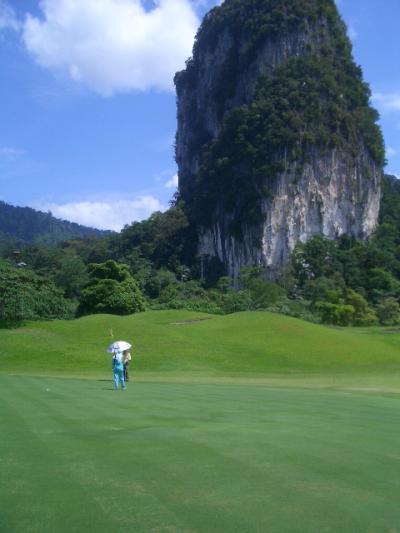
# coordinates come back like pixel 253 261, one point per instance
pixel 179 343
pixel 252 422
pixel 165 457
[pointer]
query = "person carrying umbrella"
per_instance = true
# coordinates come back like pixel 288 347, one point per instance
pixel 117 349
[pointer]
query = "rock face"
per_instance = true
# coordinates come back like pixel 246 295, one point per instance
pixel 276 141
pixel 339 204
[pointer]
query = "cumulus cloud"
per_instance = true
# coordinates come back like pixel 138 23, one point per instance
pixel 8 18
pixel 390 152
pixel 387 101
pixel 173 182
pixel 352 32
pixel 9 151
pixel 113 45
pixel 114 214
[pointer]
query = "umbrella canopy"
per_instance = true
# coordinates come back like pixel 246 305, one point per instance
pixel 118 346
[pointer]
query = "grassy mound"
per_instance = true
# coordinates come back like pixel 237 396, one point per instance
pixel 173 343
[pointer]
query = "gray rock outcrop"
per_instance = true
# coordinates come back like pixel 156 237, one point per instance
pixel 329 191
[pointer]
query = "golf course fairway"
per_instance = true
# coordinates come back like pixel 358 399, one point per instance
pixel 252 422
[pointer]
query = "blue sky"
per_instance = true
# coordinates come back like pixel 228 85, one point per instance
pixel 88 107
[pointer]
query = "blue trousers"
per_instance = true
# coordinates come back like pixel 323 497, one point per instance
pixel 118 377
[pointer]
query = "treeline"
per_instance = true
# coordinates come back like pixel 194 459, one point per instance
pixel 153 264
pixel 26 225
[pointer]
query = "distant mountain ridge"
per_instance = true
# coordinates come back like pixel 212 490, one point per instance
pixel 29 226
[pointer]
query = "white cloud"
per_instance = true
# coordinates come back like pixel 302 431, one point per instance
pixel 105 215
pixel 113 45
pixel 8 18
pixel 352 32
pixel 390 152
pixel 173 182
pixel 9 151
pixel 387 101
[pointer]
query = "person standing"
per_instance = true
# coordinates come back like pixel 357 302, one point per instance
pixel 127 360
pixel 118 370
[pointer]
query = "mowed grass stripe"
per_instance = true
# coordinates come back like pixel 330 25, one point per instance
pixel 36 480
pixel 86 476
pixel 178 457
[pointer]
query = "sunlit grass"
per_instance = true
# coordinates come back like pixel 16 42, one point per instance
pixel 178 343
pixel 252 422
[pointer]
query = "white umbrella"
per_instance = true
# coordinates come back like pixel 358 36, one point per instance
pixel 119 346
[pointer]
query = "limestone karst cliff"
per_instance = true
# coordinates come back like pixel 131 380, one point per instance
pixel 276 139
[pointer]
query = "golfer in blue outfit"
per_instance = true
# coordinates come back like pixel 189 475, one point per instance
pixel 118 370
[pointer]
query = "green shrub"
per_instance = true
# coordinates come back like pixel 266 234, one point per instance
pixel 111 290
pixel 26 296
pixel 296 308
pixel 363 314
pixel 388 312
pixel 262 293
pixel 381 284
pixel 336 314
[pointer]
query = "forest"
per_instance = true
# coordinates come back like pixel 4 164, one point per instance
pixel 153 265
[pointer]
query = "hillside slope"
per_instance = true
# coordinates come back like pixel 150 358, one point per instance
pixel 26 225
pixel 173 343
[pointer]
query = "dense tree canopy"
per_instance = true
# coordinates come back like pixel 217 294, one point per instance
pixel 25 296
pixel 111 289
